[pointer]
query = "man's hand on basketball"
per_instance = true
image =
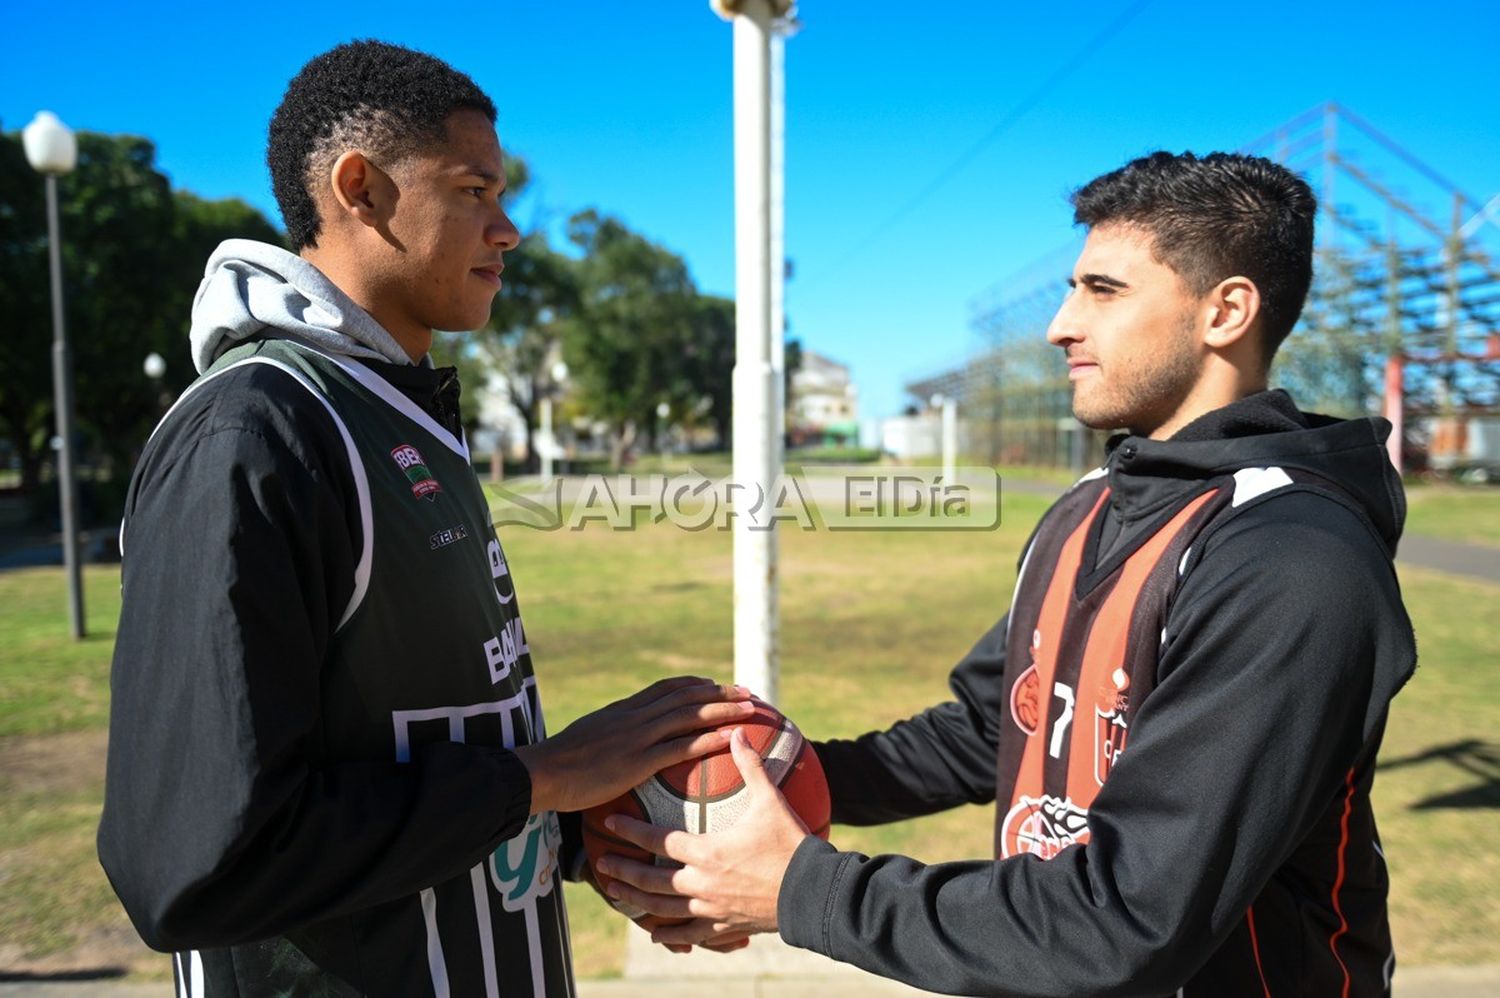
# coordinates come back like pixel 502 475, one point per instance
pixel 601 755
pixel 729 880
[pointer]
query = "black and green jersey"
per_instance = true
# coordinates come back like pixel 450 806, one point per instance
pixel 321 665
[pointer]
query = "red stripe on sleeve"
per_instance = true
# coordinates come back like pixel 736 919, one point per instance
pixel 1338 882
pixel 1255 948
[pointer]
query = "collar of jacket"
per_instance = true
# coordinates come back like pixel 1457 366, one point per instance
pixel 435 390
pixel 1261 430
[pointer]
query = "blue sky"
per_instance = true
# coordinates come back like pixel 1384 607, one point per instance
pixel 627 107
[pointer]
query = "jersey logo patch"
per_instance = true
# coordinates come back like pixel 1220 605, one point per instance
pixel 409 460
pixel 1110 731
pixel 452 535
pixel 1043 826
pixel 524 868
pixel 1026 701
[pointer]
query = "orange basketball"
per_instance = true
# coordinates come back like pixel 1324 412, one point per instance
pixel 707 795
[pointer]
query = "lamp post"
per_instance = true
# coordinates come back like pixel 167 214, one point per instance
pixel 663 413
pixel 549 448
pixel 949 406
pixel 155 368
pixel 52 150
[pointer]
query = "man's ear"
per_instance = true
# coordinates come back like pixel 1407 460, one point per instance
pixel 1234 308
pixel 362 190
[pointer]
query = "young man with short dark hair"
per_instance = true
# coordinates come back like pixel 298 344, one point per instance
pixel 1180 714
pixel 328 771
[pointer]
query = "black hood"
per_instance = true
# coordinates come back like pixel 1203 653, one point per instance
pixel 1262 430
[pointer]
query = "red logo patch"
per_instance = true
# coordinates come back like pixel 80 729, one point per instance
pixel 1026 701
pixel 409 460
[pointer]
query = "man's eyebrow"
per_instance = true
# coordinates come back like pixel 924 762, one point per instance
pixel 479 171
pixel 1104 279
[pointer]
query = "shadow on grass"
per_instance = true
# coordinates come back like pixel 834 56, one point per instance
pixel 1481 759
pixel 86 974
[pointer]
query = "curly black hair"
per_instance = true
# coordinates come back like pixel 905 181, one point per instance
pixel 382 98
pixel 1218 216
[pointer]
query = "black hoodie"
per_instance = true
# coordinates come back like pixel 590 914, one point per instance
pixel 1232 849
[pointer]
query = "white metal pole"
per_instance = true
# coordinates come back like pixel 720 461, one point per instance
pixel 757 459
pixel 544 438
pixel 778 230
pixel 950 438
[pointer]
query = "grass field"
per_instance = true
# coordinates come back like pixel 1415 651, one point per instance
pixel 1457 513
pixel 871 622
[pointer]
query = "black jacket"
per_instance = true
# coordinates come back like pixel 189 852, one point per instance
pixel 1232 848
pixel 206 842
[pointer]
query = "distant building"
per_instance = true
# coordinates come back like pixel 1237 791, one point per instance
pixel 822 403
pixel 912 435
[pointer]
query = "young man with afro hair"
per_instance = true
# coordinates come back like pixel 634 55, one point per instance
pixel 328 769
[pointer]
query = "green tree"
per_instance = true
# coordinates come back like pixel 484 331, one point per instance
pixel 25 351
pixel 709 360
pixel 627 341
pixel 133 254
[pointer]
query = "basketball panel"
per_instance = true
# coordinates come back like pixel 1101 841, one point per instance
pixel 806 790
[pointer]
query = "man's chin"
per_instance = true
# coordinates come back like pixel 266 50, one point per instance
pixel 1096 419
pixel 467 321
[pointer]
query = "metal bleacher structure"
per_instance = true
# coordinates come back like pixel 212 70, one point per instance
pixel 1403 319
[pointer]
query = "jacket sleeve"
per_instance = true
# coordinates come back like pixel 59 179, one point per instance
pixel 939 759
pixel 1284 648
pixel 218 826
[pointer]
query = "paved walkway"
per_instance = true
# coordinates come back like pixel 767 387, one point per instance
pixel 1420 982
pixel 1477 561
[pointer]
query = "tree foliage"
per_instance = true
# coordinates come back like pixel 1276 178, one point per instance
pixel 641 334
pixel 133 253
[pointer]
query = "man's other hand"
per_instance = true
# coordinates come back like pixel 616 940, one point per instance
pixel 728 881
pixel 601 755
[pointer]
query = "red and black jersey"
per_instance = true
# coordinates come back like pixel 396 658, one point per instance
pixel 1177 722
pixel 1084 644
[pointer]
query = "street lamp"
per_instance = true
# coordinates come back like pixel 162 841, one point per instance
pixel 155 368
pixel 52 150
pixel 663 413
pixel 548 443
pixel 949 406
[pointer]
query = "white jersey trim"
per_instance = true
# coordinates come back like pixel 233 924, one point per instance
pixel 437 967
pixel 1251 483
pixel 356 468
pixel 381 389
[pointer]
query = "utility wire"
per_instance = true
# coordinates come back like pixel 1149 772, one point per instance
pixel 1001 127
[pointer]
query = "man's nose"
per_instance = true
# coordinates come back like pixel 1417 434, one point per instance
pixel 503 233
pixel 1063 328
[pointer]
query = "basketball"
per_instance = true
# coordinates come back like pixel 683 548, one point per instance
pixel 707 795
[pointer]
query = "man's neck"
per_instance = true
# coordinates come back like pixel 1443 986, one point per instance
pixel 1202 400
pixel 413 338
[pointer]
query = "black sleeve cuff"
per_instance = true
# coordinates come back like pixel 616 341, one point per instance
pixel 809 890
pixel 515 798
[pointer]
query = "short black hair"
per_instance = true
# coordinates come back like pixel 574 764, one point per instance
pixel 1215 217
pixel 382 98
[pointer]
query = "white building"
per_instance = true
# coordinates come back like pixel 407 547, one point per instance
pixel 823 403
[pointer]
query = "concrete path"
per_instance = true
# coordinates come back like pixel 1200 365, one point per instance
pixel 1417 982
pixel 1478 561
